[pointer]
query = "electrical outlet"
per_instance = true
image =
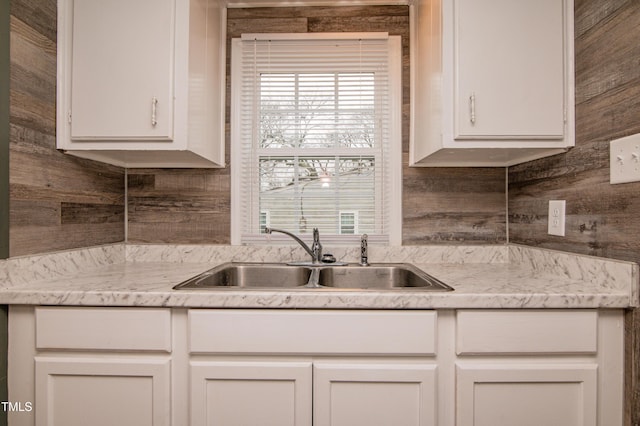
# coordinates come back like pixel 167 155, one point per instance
pixel 624 159
pixel 556 217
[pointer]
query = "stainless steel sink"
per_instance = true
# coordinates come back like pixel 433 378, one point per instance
pixel 259 275
pixel 382 276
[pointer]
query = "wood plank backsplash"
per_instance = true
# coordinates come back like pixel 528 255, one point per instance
pixel 439 205
pixel 56 201
pixel 602 219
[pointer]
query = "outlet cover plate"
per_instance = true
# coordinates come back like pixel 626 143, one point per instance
pixel 624 159
pixel 556 217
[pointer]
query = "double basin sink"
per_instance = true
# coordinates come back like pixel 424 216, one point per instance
pixel 269 276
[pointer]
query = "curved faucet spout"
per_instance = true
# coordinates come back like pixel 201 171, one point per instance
pixel 315 251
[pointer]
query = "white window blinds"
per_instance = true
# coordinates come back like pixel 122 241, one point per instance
pixel 312 132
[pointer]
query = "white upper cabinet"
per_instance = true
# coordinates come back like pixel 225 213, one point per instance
pixel 122 84
pixel 141 83
pixel 509 66
pixel 492 81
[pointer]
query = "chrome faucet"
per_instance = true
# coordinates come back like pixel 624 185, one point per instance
pixel 316 247
pixel 315 251
pixel 364 251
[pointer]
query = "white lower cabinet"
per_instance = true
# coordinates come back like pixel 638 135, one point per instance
pixel 379 394
pixel 526 394
pixel 312 392
pixel 80 366
pixel 539 367
pixel 80 391
pixel 251 393
pixel 321 368
pixel 228 367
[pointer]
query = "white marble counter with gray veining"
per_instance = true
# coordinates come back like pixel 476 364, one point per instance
pixel 482 277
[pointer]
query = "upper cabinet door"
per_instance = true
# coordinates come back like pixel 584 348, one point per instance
pixel 509 69
pixel 122 68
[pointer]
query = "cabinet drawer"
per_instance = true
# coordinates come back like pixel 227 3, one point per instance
pixel 316 332
pixel 103 328
pixel 524 331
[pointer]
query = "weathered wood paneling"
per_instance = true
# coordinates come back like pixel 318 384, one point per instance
pixel 56 201
pixel 453 205
pixel 4 149
pixel 602 219
pixel 179 206
pixel 440 205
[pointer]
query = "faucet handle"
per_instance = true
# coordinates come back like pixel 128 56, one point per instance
pixel 316 247
pixel 364 250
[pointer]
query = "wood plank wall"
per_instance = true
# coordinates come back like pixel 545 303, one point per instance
pixel 56 201
pixel 602 219
pixel 439 205
pixel 4 192
pixel 4 137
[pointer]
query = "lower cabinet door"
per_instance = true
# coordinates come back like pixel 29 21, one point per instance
pixel 79 391
pixel 374 394
pixel 230 393
pixel 526 395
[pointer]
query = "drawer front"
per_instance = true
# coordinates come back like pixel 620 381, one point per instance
pixel 312 332
pixel 103 328
pixel 525 331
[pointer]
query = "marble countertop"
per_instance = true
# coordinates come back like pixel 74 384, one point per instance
pixel 482 277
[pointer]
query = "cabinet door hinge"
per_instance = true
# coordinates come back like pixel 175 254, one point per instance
pixel 564 115
pixel 69 117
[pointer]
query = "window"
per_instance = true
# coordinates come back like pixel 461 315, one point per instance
pixel 315 133
pixel 348 222
pixel 265 220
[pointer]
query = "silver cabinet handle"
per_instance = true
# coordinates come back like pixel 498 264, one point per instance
pixel 154 107
pixel 472 108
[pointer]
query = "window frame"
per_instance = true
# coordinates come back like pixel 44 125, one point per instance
pixel 394 151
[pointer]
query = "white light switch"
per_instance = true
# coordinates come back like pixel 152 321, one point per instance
pixel 556 217
pixel 624 159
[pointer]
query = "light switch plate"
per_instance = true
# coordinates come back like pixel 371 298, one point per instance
pixel 556 217
pixel 624 159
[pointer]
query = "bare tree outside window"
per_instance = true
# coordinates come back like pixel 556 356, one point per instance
pixel 302 117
